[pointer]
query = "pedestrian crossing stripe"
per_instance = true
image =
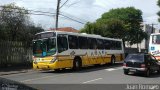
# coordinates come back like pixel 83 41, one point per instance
pixel 112 69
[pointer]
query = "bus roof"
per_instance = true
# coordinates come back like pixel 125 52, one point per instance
pixel 155 34
pixel 81 34
pixel 43 32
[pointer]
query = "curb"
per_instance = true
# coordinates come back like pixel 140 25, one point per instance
pixel 14 72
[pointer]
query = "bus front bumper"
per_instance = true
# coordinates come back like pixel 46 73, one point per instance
pixel 44 66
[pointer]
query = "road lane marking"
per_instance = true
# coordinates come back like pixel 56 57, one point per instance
pixel 28 80
pixel 92 80
pixel 112 69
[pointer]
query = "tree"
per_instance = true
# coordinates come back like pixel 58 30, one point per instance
pixel 29 33
pixel 121 23
pixel 15 24
pixel 113 28
pixel 92 28
pixel 158 3
pixel 13 18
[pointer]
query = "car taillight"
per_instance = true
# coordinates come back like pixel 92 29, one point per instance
pixel 143 65
pixel 124 64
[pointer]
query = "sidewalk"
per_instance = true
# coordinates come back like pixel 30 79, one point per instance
pixel 14 70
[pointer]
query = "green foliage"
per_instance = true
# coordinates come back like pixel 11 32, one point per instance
pixel 113 28
pixel 13 18
pixel 158 3
pixel 15 24
pixel 121 23
pixel 92 28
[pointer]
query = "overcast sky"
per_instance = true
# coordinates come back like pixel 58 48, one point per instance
pixel 84 10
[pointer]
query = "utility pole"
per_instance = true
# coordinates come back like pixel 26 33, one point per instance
pixel 57 13
pixel 153 27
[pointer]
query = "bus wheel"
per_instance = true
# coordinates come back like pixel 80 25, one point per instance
pixel 56 70
pixel 77 64
pixel 113 60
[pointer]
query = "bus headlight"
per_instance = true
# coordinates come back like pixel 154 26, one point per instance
pixel 53 60
pixel 35 62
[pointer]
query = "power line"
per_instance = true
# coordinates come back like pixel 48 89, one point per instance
pixel 42 14
pixel 46 14
pixel 49 16
pixel 72 19
pixel 57 14
pixel 69 15
pixel 28 10
pixel 64 3
pixel 30 13
pixel 74 3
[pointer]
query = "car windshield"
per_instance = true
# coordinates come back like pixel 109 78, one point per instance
pixel 135 57
pixel 44 47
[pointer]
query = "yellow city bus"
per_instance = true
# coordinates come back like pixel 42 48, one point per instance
pixel 55 50
pixel 154 45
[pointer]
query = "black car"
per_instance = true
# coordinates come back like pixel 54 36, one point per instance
pixel 6 84
pixel 141 63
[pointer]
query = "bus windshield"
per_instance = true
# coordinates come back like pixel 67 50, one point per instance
pixel 44 47
pixel 156 39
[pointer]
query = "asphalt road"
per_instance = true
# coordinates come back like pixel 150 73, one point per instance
pixel 100 75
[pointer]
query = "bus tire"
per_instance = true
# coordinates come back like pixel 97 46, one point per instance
pixel 113 60
pixel 77 64
pixel 56 70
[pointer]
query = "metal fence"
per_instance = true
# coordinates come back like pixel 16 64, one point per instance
pixel 14 53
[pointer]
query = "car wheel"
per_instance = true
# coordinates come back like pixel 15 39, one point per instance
pixel 126 72
pixel 158 71
pixel 147 73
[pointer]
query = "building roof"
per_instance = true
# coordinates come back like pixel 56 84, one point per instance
pixel 66 29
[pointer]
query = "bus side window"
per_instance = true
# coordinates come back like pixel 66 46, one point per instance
pixel 73 42
pixel 158 39
pixel 83 42
pixel 62 43
pixel 92 43
pixel 107 44
pixel 100 44
pixel 118 45
pixel 154 39
pixel 112 45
